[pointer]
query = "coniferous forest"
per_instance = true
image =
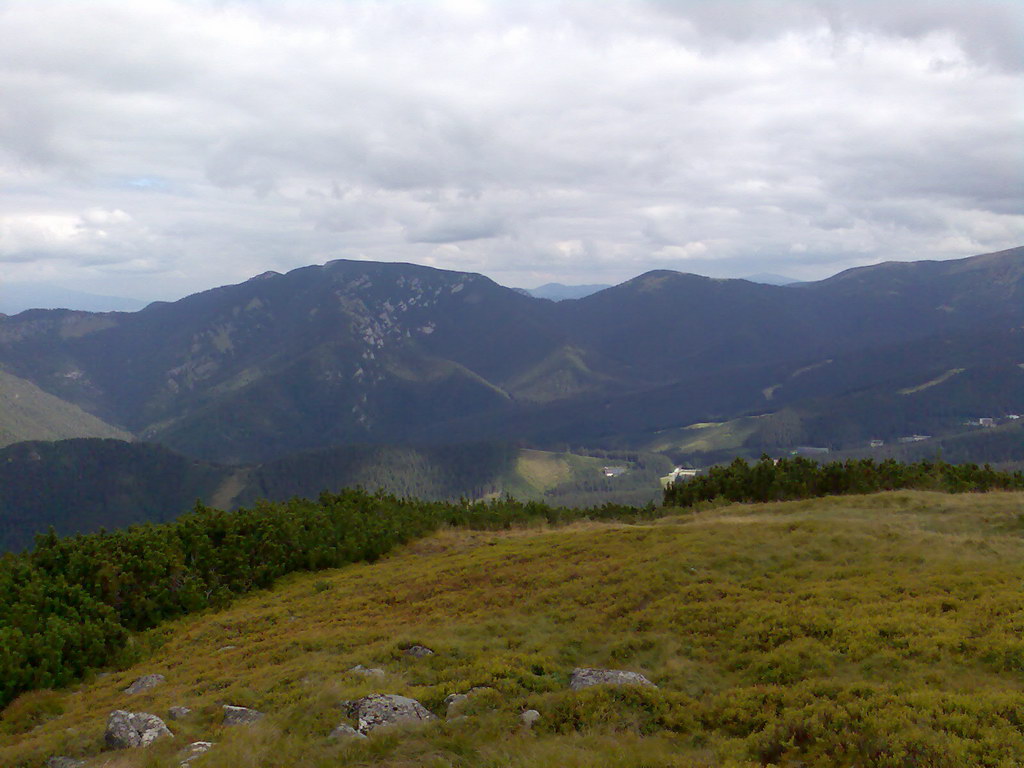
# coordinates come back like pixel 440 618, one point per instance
pixel 800 478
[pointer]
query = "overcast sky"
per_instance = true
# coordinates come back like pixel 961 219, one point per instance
pixel 154 148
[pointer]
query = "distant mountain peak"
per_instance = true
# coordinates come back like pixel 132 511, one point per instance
pixel 770 278
pixel 562 292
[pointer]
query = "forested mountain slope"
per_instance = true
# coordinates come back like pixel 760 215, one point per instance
pixel 358 352
pixel 81 486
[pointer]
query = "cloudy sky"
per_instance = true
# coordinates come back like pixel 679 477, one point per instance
pixel 154 148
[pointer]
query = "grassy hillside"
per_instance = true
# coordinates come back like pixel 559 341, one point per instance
pixel 29 413
pixel 869 631
pixel 579 480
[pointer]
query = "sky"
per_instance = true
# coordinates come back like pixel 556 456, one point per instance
pixel 155 148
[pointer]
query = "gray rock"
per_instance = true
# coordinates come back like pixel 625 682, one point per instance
pixel 379 710
pixel 456 702
pixel 240 715
pixel 179 713
pixel 418 651
pixel 226 648
pixel 194 750
pixel 359 669
pixel 529 717
pixel 145 683
pixel 454 705
pixel 584 678
pixel 133 729
pixel 344 731
pixel 64 762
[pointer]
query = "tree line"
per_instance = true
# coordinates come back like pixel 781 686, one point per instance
pixel 799 478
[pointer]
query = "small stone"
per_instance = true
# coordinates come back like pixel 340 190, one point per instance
pixel 145 683
pixel 359 669
pixel 64 762
pixel 240 715
pixel 380 710
pixel 584 678
pixel 453 704
pixel 194 750
pixel 456 702
pixel 179 713
pixel 226 648
pixel 133 729
pixel 345 731
pixel 418 651
pixel 529 717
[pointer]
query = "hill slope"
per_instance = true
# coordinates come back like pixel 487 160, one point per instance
pixel 29 413
pixel 875 631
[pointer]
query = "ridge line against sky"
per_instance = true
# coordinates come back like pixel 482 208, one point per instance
pixel 160 147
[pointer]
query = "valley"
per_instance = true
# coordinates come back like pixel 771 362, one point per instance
pixel 83 485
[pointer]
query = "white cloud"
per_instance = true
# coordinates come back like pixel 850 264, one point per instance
pixel 221 139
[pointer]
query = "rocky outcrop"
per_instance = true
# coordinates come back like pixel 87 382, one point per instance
pixel 179 713
pixel 145 683
pixel 240 715
pixel 194 750
pixel 379 710
pixel 133 729
pixel 418 651
pixel 529 717
pixel 583 677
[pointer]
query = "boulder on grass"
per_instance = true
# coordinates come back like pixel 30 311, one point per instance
pixel 64 762
pixel 194 750
pixel 179 713
pixel 145 683
pixel 359 669
pixel 418 651
pixel 455 703
pixel 584 678
pixel 240 715
pixel 380 710
pixel 344 732
pixel 133 729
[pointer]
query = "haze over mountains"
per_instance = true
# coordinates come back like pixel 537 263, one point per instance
pixel 17 297
pixel 356 352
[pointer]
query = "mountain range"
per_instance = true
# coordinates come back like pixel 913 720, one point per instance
pixel 354 352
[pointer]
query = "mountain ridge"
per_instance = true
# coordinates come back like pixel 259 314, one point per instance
pixel 372 352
